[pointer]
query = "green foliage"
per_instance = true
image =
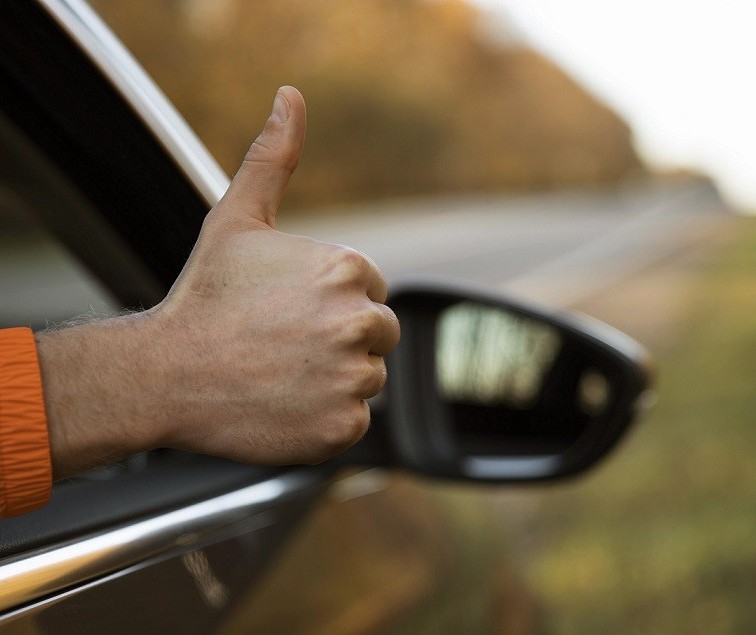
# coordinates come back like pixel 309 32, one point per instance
pixel 660 539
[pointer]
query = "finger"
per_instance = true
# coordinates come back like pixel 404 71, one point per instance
pixel 259 186
pixel 361 270
pixel 387 336
pixel 377 289
pixel 378 380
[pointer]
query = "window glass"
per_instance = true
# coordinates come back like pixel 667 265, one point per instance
pixel 41 282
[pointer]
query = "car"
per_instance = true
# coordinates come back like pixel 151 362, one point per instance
pixel 104 189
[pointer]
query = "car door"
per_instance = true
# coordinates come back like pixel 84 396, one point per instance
pixel 104 189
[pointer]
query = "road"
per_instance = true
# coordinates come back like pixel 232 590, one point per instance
pixel 553 248
pixel 556 249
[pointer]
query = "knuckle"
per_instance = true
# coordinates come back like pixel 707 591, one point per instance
pixel 261 152
pixel 365 379
pixel 381 378
pixel 363 325
pixel 349 265
pixel 272 148
pixel 380 283
pixel 390 326
pixel 370 379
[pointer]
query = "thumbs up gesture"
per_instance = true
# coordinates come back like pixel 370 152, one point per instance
pixel 263 351
pixel 270 342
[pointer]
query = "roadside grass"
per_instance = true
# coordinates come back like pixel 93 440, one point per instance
pixel 662 538
pixel 659 539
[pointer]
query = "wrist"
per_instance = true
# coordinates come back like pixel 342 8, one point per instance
pixel 101 385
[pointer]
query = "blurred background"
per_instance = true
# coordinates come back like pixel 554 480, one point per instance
pixel 585 155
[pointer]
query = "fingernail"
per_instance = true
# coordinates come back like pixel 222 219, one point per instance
pixel 280 108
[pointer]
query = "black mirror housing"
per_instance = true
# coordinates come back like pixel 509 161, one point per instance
pixel 486 388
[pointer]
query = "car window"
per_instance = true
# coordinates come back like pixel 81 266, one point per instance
pixel 41 282
pixel 88 231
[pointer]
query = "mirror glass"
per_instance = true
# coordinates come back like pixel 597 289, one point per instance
pixel 490 357
pixel 513 383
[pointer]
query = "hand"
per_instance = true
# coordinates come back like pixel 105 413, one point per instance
pixel 278 339
pixel 263 351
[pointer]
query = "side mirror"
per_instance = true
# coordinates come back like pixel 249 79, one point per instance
pixel 485 388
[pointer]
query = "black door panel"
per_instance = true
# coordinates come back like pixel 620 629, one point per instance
pixel 189 591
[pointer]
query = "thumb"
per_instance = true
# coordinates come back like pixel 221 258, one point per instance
pixel 258 187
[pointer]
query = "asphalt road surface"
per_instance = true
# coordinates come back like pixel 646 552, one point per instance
pixel 554 248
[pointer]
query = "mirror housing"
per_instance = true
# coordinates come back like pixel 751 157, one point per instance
pixel 486 388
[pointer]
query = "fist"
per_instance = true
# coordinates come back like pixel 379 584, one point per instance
pixel 271 343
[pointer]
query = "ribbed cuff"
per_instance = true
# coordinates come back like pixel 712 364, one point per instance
pixel 25 465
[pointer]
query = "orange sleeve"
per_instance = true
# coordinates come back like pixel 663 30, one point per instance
pixel 25 466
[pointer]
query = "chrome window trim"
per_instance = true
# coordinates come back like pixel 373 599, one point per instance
pixel 27 577
pixel 149 103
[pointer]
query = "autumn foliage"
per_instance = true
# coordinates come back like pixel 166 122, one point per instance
pixel 403 98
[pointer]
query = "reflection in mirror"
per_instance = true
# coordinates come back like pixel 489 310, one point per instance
pixel 487 356
pixel 514 384
pixel 593 392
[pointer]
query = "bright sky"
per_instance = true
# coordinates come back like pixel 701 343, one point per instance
pixel 682 73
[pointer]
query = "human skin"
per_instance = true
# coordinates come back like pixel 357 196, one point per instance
pixel 263 351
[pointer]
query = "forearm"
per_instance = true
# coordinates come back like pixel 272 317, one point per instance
pixel 101 384
pixel 264 350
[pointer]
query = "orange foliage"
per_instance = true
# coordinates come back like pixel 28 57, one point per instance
pixel 403 97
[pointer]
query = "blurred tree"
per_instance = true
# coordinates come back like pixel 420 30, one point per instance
pixel 404 97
